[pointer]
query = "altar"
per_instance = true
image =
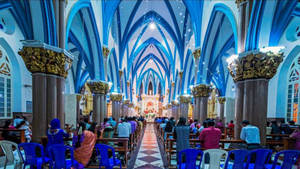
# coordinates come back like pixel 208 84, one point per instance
pixel 150 107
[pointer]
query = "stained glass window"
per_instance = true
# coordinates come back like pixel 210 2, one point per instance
pixel 5 87
pixel 293 92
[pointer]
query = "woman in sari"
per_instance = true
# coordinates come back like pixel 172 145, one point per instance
pixel 83 143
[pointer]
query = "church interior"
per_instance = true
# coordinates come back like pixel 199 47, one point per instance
pixel 150 84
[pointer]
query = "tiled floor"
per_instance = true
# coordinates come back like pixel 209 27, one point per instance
pixel 149 156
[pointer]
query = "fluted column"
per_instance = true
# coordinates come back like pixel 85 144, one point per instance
pixel 116 99
pixel 201 93
pixel 49 67
pixel 221 101
pixel 251 72
pixel 184 105
pixel 99 90
pixel 78 98
pixel 175 112
pixel 125 108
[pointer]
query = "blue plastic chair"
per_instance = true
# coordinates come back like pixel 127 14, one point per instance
pixel 262 156
pixel 239 159
pixel 31 157
pixel 290 157
pixel 102 153
pixel 190 158
pixel 58 157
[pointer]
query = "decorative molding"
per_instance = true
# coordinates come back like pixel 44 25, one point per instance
pixel 116 97
pixel 185 99
pixel 105 52
pixel 197 53
pixel 255 65
pixel 41 60
pixel 98 87
pixel 201 90
pixel 221 100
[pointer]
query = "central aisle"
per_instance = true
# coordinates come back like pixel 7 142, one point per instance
pixel 149 156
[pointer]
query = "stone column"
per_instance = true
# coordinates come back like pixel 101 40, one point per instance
pixel 196 110
pixel 116 99
pixel 175 112
pixel 221 101
pixel 78 98
pixel 239 104
pixel 60 82
pixel 99 90
pixel 201 93
pixel 184 105
pixel 48 65
pixel 125 108
pixel 251 72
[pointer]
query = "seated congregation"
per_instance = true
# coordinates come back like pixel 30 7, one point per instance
pixel 212 145
pixel 88 145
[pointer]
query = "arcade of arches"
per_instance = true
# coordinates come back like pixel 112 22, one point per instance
pixel 226 60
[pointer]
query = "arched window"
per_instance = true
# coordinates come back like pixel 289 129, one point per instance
pixel 5 87
pixel 293 92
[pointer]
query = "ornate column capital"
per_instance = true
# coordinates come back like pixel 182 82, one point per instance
pixel 169 105
pixel 128 83
pixel 130 105
pixel 39 59
pixel 185 99
pixel 201 90
pixel 105 52
pixel 78 97
pixel 197 53
pixel 221 100
pixel 255 65
pixel 126 102
pixel 174 103
pixel 173 84
pixel 98 87
pixel 120 73
pixel 117 97
pixel 180 73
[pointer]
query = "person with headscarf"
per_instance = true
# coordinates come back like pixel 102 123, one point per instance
pixel 181 134
pixel 55 134
pixel 83 143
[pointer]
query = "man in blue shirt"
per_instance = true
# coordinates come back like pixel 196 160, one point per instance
pixel 251 135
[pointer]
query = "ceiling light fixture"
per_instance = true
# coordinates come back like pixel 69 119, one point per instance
pixel 152 26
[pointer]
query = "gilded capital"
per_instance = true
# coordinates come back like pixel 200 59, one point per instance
pixel 126 102
pixel 41 60
pixel 174 103
pixel 173 84
pixel 78 97
pixel 185 99
pixel 197 53
pixel 98 87
pixel 255 65
pixel 105 52
pixel 180 74
pixel 130 105
pixel 169 106
pixel 201 90
pixel 221 100
pixel 117 97
pixel 120 73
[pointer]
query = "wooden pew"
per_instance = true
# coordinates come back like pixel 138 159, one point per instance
pixel 20 134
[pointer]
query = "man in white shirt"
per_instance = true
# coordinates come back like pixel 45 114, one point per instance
pixel 251 135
